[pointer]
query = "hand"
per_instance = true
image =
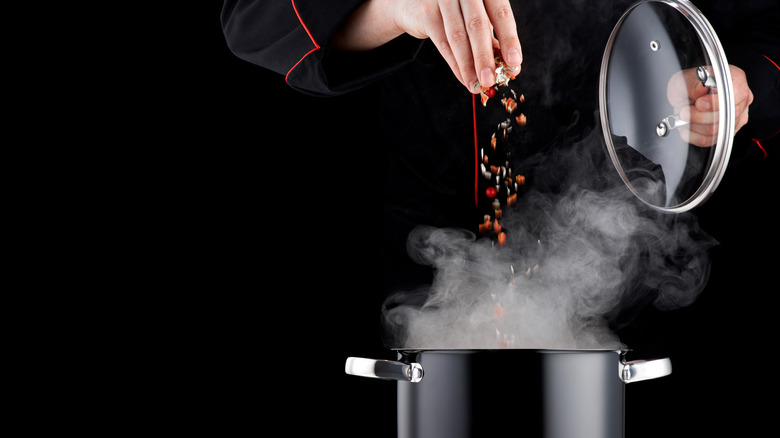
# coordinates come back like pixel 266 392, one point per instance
pixel 462 30
pixel 743 97
pixel 698 105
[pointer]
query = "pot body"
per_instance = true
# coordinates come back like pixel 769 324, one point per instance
pixel 534 393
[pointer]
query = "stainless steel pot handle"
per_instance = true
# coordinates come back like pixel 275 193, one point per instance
pixel 639 370
pixel 384 369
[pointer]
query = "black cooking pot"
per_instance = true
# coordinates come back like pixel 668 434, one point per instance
pixel 476 393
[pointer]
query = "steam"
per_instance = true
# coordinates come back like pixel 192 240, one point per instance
pixel 583 254
pixel 578 255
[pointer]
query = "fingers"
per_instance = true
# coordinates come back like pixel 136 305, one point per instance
pixel 702 110
pixel 465 38
pixel 703 118
pixel 697 139
pixel 458 42
pixel 478 42
pixel 505 27
pixel 703 114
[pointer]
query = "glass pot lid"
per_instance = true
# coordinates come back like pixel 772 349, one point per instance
pixel 662 57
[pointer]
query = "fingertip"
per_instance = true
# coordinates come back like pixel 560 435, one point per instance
pixel 486 77
pixel 474 87
pixel 514 57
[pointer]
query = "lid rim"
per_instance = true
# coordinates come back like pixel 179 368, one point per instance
pixel 726 116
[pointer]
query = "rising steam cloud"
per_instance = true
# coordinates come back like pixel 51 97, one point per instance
pixel 576 257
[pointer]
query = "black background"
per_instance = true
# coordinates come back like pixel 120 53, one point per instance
pixel 292 185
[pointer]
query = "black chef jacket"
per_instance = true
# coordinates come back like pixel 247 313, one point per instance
pixel 428 117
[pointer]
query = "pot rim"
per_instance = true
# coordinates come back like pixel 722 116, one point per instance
pixel 411 350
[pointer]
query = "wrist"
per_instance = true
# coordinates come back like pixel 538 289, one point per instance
pixel 368 27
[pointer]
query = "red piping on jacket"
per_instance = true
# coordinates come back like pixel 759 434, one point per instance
pixel 770 60
pixel 476 150
pixel 316 46
pixel 758 141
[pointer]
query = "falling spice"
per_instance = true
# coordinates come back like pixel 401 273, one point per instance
pixel 499 185
pixel 509 104
pixel 502 182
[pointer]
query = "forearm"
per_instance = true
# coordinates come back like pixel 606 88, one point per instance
pixel 369 27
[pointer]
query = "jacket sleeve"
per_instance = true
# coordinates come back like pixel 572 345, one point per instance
pixel 749 32
pixel 292 38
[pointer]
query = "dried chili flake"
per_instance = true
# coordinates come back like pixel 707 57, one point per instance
pixel 509 104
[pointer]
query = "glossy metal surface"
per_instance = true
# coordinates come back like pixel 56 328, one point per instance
pixel 544 393
pixel 583 396
pixel 637 371
pixel 634 371
pixel 384 369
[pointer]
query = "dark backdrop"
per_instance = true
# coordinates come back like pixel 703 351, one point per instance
pixel 293 185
